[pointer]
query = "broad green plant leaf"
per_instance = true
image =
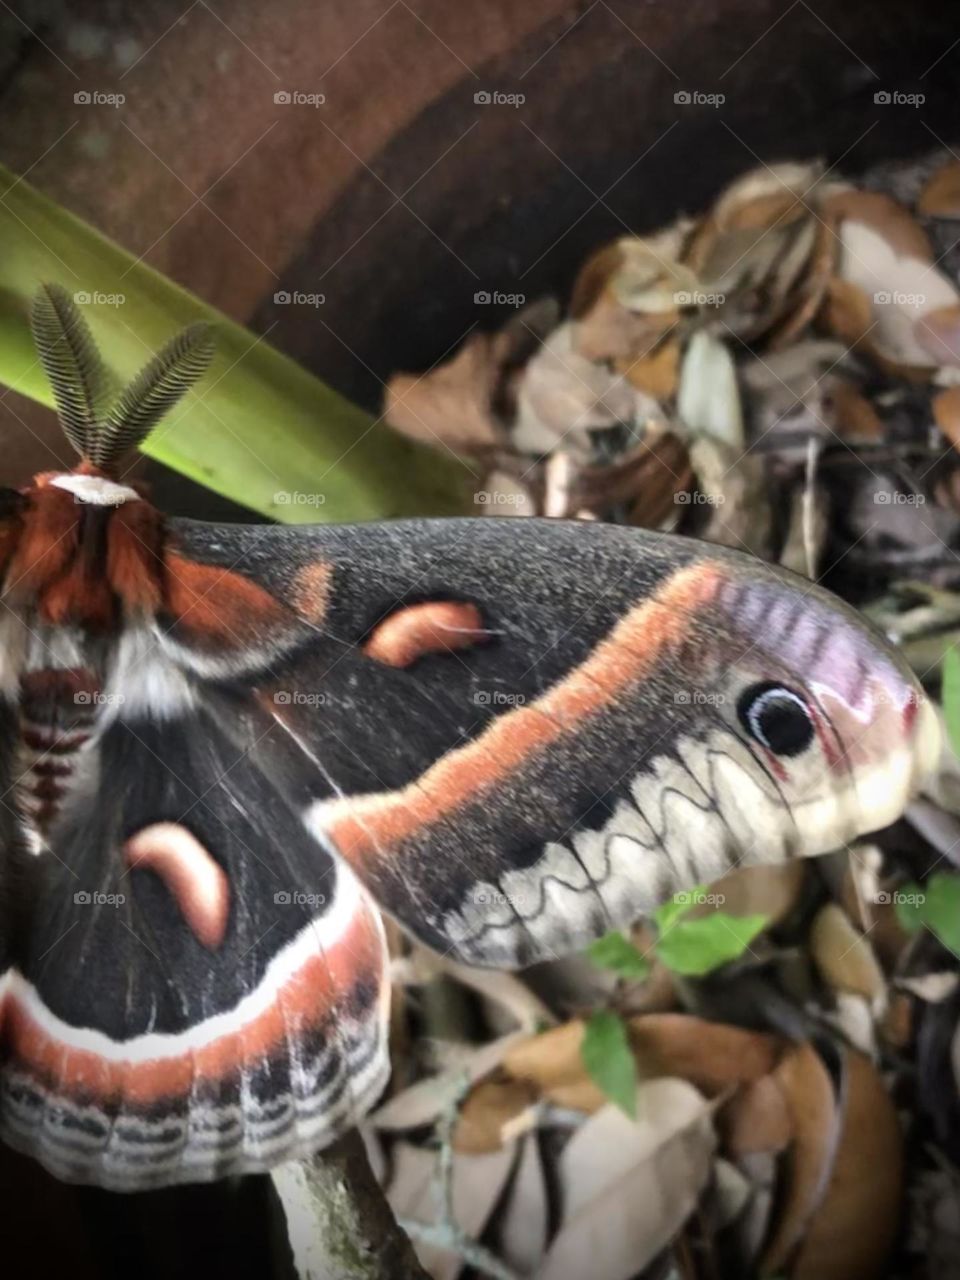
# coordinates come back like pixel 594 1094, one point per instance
pixel 951 697
pixel 690 948
pixel 609 1061
pixel 936 905
pixel 260 430
pixel 615 952
pixel 695 947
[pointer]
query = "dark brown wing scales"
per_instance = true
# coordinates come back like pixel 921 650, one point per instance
pixel 583 756
pixel 196 988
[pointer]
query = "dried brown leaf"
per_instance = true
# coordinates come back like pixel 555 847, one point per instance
pixel 853 414
pixel 610 331
pixel 888 937
pixel 771 891
pixel 508 990
pixel 760 199
pixel 763 253
pixel 645 481
pixel 756 1119
pixel 642 258
pixel 593 278
pixel 896 1026
pixel 904 289
pixel 562 396
pixel 491 1105
pixel 884 215
pixel 710 1055
pixel 552 1062
pixel 477 1185
pixel 843 955
pixel 628 298
pixel 628 1187
pixel 522 1232
pixel 811 290
pixel 814 1116
pixel 938 334
pixel 846 311
pixel 423 1102
pixel 452 404
pixel 760 212
pixel 656 373
pixel 851 1235
pixel 946 413
pixel 735 508
pixel 940 197
pixel 931 987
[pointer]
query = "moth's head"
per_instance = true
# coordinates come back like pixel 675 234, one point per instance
pixel 88 486
pixel 49 528
pixel 838 727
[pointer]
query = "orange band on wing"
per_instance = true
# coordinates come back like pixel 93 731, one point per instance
pixel 365 826
pixel 307 1000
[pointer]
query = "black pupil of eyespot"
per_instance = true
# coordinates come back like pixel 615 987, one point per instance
pixel 777 718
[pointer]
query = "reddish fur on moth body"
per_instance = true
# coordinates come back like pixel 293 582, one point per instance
pixel 81 564
pixel 93 566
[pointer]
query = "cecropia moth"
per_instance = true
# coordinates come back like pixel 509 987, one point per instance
pixel 225 749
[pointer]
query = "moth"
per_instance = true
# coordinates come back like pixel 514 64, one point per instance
pixel 226 749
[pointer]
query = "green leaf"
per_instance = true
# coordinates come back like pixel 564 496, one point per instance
pixel 951 697
pixel 614 951
pixel 609 1061
pixel 670 911
pixel 908 904
pixel 940 909
pixel 260 429
pixel 695 947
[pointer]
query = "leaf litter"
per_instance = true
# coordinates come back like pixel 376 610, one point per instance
pixel 763 1079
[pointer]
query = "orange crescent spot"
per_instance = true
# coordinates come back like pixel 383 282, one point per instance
pixel 362 828
pixel 436 626
pixel 197 882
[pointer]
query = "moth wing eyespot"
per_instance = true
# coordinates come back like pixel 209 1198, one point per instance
pixel 777 717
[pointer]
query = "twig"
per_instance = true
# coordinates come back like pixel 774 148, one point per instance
pixel 338 1221
pixel 446 1233
pixel 809 508
pixel 558 476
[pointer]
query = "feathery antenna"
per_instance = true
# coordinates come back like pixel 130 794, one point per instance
pixel 100 431
pixel 155 390
pixel 72 362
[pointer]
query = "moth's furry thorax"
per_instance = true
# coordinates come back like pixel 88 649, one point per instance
pixel 81 562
